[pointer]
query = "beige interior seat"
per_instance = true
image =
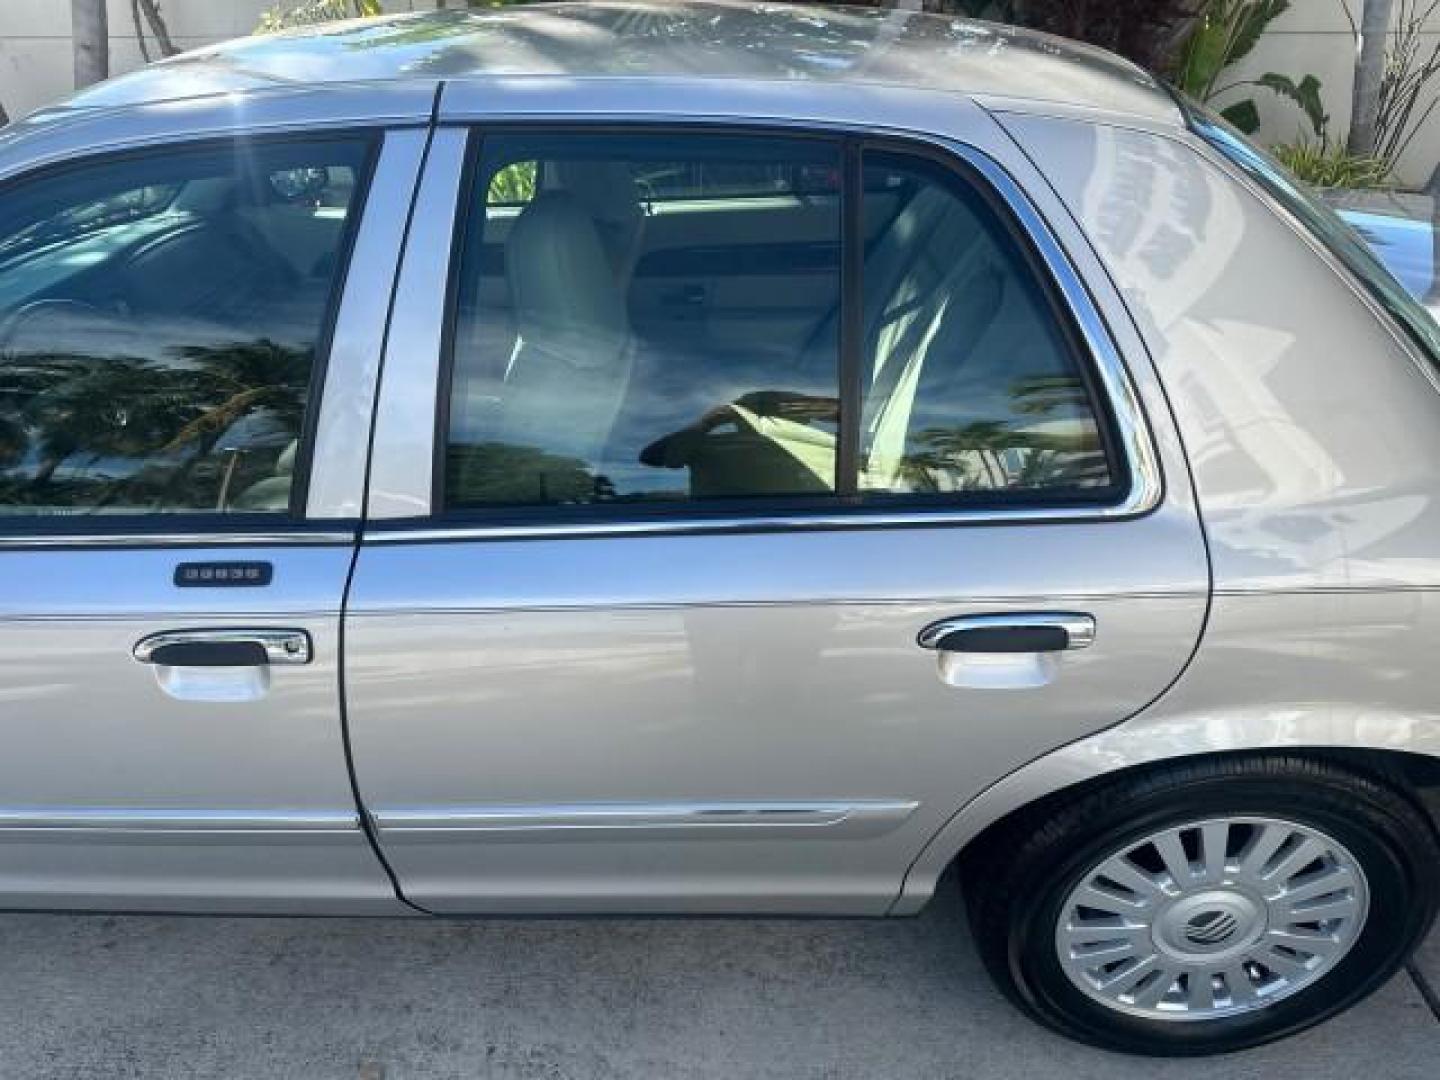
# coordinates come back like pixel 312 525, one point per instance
pixel 608 192
pixel 573 355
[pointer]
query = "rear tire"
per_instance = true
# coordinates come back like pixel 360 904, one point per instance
pixel 1103 917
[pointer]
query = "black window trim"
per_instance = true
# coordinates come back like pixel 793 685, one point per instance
pixel 840 509
pixel 193 527
pixel 850 378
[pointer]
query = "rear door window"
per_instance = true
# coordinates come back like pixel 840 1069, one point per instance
pixel 651 319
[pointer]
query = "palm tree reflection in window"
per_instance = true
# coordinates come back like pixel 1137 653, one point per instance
pixel 85 434
pixel 1050 441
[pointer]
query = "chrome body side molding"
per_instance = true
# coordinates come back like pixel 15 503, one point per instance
pixel 632 820
pixel 91 822
pixel 278 538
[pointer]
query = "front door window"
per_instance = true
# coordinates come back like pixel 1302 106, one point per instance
pixel 160 320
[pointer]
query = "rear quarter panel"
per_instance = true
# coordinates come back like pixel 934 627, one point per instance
pixel 1312 430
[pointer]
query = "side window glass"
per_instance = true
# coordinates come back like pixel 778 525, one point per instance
pixel 645 318
pixel 160 318
pixel 971 384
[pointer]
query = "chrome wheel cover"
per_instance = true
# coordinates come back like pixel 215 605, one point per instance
pixel 1212 918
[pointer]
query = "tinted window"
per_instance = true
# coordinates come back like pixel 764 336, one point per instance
pixel 159 323
pixel 609 347
pixel 612 346
pixel 970 383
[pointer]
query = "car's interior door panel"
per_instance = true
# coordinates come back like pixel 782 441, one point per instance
pixel 749 274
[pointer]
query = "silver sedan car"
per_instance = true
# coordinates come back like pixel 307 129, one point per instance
pixel 720 458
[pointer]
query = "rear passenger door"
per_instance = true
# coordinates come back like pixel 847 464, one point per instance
pixel 686 615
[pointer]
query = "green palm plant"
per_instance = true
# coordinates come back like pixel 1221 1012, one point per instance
pixel 1226 32
pixel 232 382
pixel 22 377
pixel 968 455
pixel 972 455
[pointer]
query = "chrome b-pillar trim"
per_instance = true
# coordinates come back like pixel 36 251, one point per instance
pixel 352 370
pixel 400 457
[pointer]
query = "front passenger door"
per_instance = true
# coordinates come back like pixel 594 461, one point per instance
pixel 169 598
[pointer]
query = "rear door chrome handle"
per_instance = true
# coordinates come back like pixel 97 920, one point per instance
pixel 1038 632
pixel 224 648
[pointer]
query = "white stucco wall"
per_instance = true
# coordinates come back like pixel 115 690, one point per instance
pixel 36 62
pixel 1312 38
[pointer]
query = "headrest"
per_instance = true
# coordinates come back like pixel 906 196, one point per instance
pixel 606 189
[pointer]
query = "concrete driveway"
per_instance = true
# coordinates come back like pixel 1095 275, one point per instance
pixel 675 999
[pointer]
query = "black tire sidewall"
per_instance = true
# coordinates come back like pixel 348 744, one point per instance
pixel 1398 914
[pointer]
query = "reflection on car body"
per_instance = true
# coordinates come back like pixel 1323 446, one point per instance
pixel 524 461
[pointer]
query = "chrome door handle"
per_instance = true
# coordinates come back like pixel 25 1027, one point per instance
pixel 224 648
pixel 1017 633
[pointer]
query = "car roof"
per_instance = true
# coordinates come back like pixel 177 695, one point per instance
pixel 657 39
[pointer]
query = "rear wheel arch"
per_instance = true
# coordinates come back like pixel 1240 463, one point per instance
pixel 1050 781
pixel 1416 776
